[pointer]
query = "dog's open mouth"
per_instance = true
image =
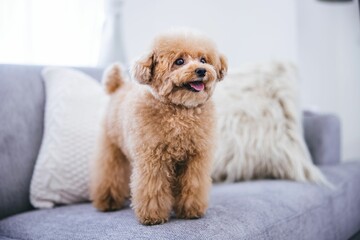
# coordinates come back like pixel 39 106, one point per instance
pixel 195 86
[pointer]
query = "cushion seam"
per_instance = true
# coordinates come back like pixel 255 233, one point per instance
pixel 2 235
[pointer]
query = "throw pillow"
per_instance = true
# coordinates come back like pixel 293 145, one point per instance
pixel 260 127
pixel 74 108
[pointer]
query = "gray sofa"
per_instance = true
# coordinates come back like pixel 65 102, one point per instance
pixel 262 209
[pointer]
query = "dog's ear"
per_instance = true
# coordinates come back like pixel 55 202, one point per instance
pixel 222 69
pixel 143 69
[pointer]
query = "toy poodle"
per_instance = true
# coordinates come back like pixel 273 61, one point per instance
pixel 158 135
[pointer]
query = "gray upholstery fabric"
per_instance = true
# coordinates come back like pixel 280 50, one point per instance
pixel 22 101
pixel 266 209
pixel 323 136
pixel 356 236
pixel 21 118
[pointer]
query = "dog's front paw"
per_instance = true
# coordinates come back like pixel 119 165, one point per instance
pixel 190 213
pixel 151 217
pixel 194 210
pixel 108 203
pixel 152 220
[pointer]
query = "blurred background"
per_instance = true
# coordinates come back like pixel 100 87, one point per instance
pixel 322 38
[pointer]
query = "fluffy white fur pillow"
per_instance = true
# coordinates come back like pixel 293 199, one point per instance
pixel 74 108
pixel 260 127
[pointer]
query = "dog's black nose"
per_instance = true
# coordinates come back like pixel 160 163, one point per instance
pixel 200 72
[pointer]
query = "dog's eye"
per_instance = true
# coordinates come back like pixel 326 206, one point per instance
pixel 203 60
pixel 179 61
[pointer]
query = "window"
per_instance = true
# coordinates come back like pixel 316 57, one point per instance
pixel 51 32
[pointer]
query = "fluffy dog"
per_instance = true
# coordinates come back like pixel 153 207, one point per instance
pixel 158 135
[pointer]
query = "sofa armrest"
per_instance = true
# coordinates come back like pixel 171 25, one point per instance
pixel 322 136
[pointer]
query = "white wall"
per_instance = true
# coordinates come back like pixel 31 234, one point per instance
pixel 246 30
pixel 329 62
pixel 44 32
pixel 322 38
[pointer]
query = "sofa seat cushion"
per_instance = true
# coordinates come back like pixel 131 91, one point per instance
pixel 264 209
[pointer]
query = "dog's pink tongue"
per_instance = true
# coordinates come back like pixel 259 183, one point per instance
pixel 198 86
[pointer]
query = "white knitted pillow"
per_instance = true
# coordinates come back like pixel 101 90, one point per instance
pixel 74 108
pixel 260 127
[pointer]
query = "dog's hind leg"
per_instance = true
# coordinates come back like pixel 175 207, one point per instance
pixel 110 179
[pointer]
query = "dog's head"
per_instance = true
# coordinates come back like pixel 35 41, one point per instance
pixel 182 68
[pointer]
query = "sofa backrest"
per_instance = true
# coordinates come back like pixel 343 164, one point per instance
pixel 22 102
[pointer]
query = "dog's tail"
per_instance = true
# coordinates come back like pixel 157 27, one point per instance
pixel 113 78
